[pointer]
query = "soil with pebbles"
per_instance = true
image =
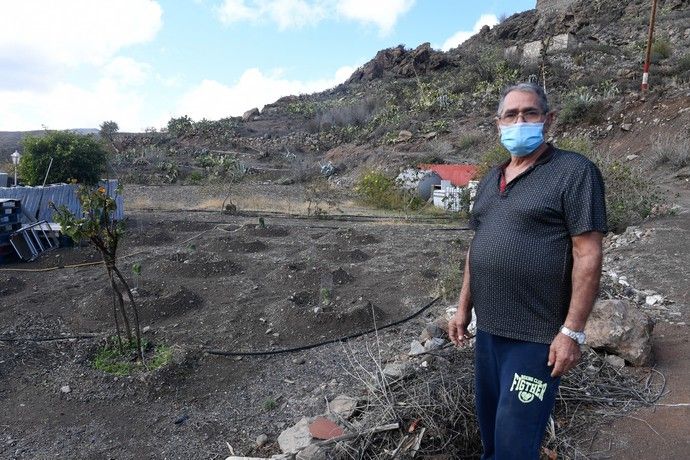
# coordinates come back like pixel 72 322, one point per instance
pixel 208 281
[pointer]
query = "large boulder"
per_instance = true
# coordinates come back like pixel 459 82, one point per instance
pixel 617 326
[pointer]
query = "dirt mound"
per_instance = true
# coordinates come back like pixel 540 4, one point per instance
pixel 201 269
pixel 242 246
pixel 340 276
pixel 161 304
pixel 154 238
pixel 266 232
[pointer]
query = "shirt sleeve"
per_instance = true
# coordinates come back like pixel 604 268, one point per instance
pixel 584 202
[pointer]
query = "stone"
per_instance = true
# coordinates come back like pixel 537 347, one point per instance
pixel 531 52
pixel 626 126
pixel 312 452
pixel 435 343
pixel 438 328
pixel 618 327
pixel 250 114
pixel 261 440
pixel 65 389
pixel 397 370
pixel 146 329
pixel 653 299
pixel 416 348
pixel 295 438
pixel 342 405
pixel 562 42
pixel 615 361
pixel 404 135
pixel 631 157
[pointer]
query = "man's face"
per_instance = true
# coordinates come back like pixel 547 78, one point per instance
pixel 521 107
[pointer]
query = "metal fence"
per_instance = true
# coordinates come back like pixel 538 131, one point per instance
pixel 38 198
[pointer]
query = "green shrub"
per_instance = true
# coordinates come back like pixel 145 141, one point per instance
pixel 582 108
pixel 661 49
pixel 683 64
pixel 380 191
pixel 196 177
pixel 469 139
pixel 180 126
pixel 269 404
pixel 111 360
pixel 74 156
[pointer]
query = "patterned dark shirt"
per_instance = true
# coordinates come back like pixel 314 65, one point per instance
pixel 521 256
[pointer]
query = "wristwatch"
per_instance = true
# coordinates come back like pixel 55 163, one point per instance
pixel 578 336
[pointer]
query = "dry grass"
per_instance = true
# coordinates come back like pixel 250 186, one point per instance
pixel 673 151
pixel 439 400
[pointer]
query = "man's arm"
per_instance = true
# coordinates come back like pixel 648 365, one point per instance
pixel 457 326
pixel 587 255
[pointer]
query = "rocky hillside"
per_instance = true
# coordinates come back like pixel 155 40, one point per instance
pixel 408 105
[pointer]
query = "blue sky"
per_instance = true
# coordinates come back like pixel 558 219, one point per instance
pixel 76 63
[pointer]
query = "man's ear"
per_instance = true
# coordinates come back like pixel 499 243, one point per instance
pixel 498 125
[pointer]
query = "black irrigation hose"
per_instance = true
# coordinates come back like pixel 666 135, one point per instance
pixel 48 339
pixel 327 342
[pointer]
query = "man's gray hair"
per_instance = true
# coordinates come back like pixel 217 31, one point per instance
pixel 525 88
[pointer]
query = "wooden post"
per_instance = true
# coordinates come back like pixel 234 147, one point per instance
pixel 648 55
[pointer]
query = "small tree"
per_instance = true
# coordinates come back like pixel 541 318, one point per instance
pixel 74 156
pixel 98 226
pixel 108 129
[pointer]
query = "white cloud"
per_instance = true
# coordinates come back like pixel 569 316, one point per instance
pixel 299 13
pixel 43 42
pixel 237 11
pixel 460 36
pixel 67 106
pixel 77 31
pixel 214 100
pixel 383 13
pixel 286 13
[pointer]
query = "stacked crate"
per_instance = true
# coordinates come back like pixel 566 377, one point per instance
pixel 10 210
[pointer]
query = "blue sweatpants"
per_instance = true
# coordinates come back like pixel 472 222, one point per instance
pixel 515 395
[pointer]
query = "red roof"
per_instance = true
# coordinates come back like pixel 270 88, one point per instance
pixel 458 175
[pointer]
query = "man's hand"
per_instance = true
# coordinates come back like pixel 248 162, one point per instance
pixel 457 327
pixel 564 354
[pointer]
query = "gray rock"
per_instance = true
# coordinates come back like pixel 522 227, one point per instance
pixel 295 438
pixel 397 370
pixel 619 327
pixel 653 299
pixel 404 135
pixel 434 329
pixel 626 126
pixel 434 344
pixel 343 406
pixel 615 361
pixel 261 440
pixel 416 348
pixel 65 389
pixel 250 114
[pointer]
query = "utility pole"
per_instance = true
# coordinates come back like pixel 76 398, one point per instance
pixel 648 55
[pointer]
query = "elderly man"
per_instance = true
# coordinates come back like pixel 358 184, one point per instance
pixel 531 274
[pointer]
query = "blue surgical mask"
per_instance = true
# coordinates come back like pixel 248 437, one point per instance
pixel 521 139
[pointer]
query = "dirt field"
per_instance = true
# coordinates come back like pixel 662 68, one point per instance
pixel 209 281
pixel 221 282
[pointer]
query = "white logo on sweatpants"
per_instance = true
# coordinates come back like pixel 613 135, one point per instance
pixel 528 387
